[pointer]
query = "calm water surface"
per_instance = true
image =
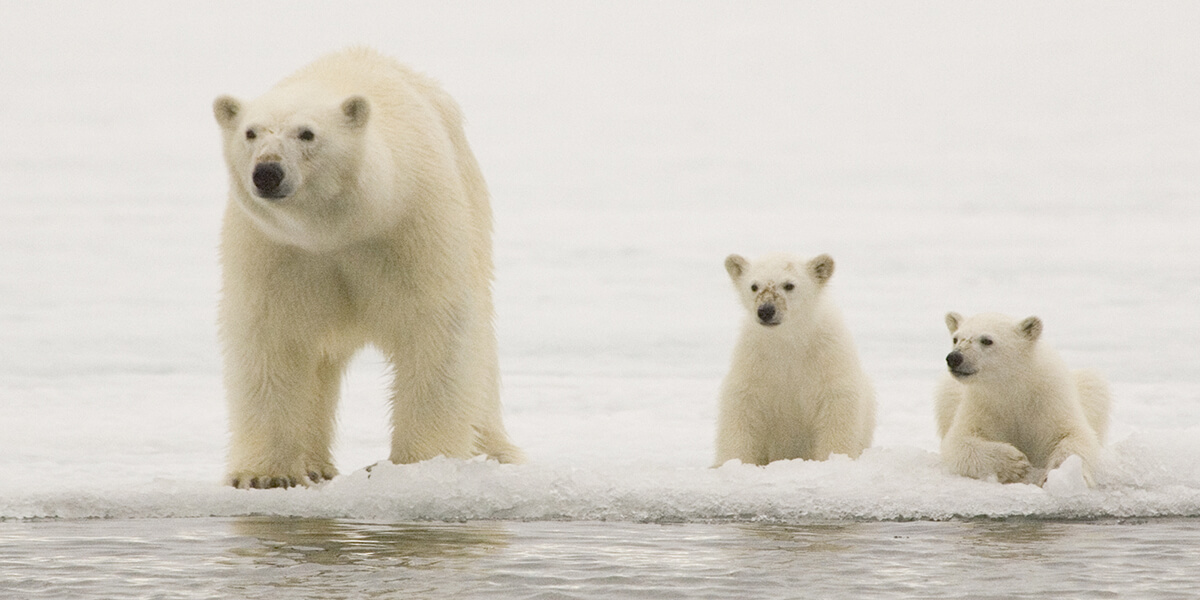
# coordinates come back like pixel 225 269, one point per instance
pixel 329 559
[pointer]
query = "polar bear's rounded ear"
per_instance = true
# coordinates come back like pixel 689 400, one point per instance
pixel 1031 328
pixel 226 109
pixel 735 265
pixel 357 109
pixel 821 268
pixel 953 320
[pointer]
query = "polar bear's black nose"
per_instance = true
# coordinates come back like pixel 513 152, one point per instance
pixel 766 313
pixel 267 177
pixel 954 359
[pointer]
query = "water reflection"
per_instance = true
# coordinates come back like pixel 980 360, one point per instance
pixel 1024 539
pixel 1015 539
pixel 816 538
pixel 337 542
pixel 324 559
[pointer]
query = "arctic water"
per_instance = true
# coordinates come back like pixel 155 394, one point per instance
pixel 1025 158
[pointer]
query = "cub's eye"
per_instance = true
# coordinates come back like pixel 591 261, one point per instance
pixel 307 135
pixel 789 286
pixel 250 134
pixel 986 341
pixel 754 287
pixel 955 340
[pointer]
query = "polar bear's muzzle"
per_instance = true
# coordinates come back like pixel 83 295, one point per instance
pixel 955 360
pixel 268 180
pixel 771 307
pixel 768 316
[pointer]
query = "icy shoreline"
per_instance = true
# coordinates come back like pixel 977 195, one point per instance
pixel 885 484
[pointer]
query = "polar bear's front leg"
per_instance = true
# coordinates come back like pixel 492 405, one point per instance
pixel 844 425
pixel 974 456
pixel 433 411
pixel 736 441
pixel 429 419
pixel 281 408
pixel 1079 443
pixel 739 434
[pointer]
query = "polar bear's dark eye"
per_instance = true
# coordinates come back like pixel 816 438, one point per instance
pixel 955 340
pixel 787 287
pixel 754 287
pixel 250 134
pixel 986 341
pixel 307 135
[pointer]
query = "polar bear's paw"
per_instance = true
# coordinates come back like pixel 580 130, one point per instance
pixel 506 453
pixel 247 479
pixel 1011 465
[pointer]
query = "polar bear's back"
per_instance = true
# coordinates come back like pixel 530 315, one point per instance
pixel 364 71
pixel 405 104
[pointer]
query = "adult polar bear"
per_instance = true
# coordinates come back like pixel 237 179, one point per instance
pixel 357 214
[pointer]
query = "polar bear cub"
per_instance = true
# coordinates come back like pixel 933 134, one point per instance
pixel 1010 408
pixel 795 388
pixel 357 215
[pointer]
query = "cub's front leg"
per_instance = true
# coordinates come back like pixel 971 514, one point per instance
pixel 739 431
pixel 1080 443
pixel 974 456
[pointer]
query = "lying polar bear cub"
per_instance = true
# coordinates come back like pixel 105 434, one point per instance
pixel 1010 408
pixel 795 388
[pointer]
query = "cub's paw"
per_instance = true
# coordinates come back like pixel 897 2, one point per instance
pixel 1012 466
pixel 247 479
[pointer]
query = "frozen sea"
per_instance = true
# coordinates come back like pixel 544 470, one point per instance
pixel 1025 157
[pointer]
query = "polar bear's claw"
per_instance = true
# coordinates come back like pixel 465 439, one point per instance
pixel 250 481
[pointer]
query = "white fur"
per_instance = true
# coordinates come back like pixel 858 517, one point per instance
pixel 382 235
pixel 795 388
pixel 1014 410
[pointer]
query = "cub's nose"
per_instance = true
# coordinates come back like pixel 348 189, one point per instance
pixel 766 313
pixel 267 177
pixel 954 359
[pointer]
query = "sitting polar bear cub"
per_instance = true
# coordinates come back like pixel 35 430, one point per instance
pixel 357 214
pixel 795 388
pixel 1010 408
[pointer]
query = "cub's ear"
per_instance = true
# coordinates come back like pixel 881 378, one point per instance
pixel 1031 328
pixel 821 268
pixel 953 320
pixel 735 265
pixel 226 109
pixel 357 110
